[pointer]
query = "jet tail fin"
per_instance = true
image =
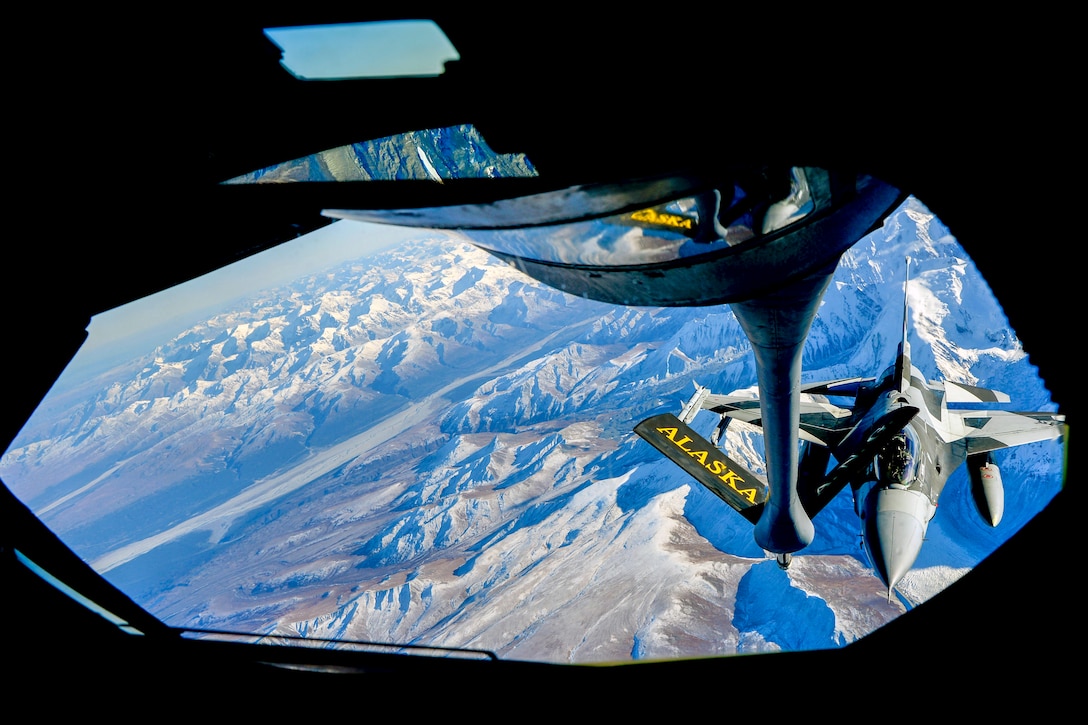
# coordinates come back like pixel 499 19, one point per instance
pixel 902 360
pixel 743 490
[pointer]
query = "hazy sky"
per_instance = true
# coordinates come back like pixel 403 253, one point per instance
pixel 329 51
pixel 164 312
pixel 408 47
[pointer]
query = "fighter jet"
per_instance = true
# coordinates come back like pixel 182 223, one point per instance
pixel 895 446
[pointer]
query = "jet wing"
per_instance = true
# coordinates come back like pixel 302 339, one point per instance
pixel 985 431
pixel 847 387
pixel 821 422
pixel 978 416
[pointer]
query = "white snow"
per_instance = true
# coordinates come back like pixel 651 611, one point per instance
pixel 431 448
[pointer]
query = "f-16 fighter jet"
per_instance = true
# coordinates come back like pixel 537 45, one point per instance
pixel 896 447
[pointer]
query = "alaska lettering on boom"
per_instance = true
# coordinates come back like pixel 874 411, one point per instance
pixel 669 220
pixel 716 467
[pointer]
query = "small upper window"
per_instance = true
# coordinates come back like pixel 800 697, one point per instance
pixel 390 49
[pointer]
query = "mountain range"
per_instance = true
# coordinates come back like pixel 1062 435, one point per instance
pixel 423 446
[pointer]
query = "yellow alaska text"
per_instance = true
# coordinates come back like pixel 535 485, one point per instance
pixel 717 467
pixel 668 220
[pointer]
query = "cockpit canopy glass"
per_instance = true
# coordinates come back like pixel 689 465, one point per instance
pixel 897 463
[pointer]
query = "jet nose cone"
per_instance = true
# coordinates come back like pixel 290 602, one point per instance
pixel 895 526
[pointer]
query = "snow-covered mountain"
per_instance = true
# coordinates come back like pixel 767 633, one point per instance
pixel 425 446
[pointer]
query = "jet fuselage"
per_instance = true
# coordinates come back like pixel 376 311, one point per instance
pixel 897 495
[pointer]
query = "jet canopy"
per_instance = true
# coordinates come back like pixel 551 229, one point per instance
pixel 896 464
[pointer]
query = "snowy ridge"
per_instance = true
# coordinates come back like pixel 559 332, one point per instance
pixel 427 447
